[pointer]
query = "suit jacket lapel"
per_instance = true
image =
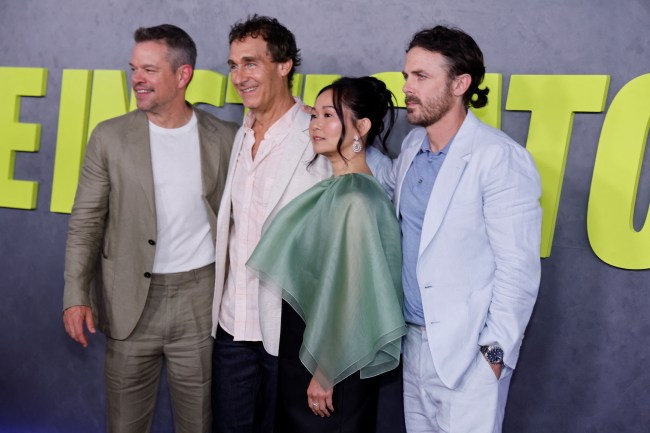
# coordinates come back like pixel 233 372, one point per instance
pixel 447 180
pixel 443 190
pixel 293 150
pixel 207 158
pixel 140 148
pixel 223 218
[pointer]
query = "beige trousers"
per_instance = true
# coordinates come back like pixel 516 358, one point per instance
pixel 175 326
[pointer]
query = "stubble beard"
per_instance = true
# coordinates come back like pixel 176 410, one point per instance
pixel 146 107
pixel 431 111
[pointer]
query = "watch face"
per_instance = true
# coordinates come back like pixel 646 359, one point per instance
pixel 495 355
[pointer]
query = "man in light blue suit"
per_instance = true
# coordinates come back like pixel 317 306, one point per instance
pixel 467 197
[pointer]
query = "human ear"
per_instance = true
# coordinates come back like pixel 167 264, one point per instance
pixel 184 73
pixel 460 84
pixel 363 126
pixel 285 67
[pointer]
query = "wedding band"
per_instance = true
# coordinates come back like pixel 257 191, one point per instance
pixel 314 404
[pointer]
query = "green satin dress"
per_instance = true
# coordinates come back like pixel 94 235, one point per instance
pixel 335 254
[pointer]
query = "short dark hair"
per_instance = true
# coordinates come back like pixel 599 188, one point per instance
pixel 182 49
pixel 364 97
pixel 463 57
pixel 280 42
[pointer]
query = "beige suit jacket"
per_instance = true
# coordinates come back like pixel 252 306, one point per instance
pixel 113 219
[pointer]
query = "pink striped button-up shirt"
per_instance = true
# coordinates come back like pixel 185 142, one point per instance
pixel 251 186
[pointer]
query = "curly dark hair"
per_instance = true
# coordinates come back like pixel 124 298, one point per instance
pixel 463 57
pixel 182 48
pixel 280 42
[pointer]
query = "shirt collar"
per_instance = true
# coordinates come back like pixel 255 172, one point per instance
pixel 425 147
pixel 281 125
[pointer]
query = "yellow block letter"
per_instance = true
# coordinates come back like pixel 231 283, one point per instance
pixel 109 97
pixel 394 82
pixel 314 83
pixel 207 87
pixel 553 99
pixel 83 106
pixel 70 138
pixel 616 179
pixel 16 136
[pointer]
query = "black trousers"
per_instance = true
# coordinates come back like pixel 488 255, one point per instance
pixel 354 399
pixel 244 380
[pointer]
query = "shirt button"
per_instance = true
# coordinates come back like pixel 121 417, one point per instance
pixel 152 242
pixel 147 274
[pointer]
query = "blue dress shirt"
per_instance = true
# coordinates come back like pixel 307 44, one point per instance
pixel 414 200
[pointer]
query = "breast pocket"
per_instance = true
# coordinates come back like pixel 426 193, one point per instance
pixel 465 211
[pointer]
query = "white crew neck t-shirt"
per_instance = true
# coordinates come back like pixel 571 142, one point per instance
pixel 184 241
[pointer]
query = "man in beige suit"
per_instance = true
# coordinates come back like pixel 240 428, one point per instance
pixel 146 208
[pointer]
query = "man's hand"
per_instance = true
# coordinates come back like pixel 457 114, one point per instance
pixel 74 318
pixel 319 399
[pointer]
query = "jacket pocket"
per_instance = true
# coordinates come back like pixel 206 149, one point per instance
pixel 105 248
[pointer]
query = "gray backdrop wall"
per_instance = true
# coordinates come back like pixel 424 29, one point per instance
pixel 584 362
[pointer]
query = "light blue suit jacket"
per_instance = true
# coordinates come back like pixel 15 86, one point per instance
pixel 478 268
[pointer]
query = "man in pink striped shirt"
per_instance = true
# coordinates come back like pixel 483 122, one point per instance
pixel 269 166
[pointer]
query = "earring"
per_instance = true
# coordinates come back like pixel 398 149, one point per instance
pixel 356 144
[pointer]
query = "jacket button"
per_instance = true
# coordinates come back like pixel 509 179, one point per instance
pixel 147 274
pixel 152 242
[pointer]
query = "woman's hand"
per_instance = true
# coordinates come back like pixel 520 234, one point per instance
pixel 319 399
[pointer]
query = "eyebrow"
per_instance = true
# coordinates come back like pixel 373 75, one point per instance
pixel 323 107
pixel 244 59
pixel 144 66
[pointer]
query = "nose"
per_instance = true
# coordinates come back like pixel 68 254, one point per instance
pixel 234 76
pixel 238 75
pixel 136 76
pixel 406 88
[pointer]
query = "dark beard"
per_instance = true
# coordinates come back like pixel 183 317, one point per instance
pixel 432 112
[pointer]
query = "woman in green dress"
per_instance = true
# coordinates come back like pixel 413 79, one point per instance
pixel 335 255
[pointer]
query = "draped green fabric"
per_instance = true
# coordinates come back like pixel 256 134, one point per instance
pixel 335 253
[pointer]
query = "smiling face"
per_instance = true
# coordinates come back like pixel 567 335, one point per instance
pixel 259 81
pixel 158 88
pixel 325 128
pixel 428 90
